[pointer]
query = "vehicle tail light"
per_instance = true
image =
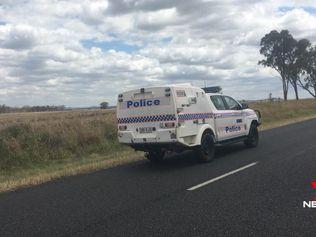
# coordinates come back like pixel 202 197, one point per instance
pixel 122 127
pixel 120 97
pixel 168 125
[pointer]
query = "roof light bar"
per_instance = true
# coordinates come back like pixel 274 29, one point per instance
pixel 212 89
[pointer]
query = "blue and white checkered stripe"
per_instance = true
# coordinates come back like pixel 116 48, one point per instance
pixel 144 119
pixel 184 117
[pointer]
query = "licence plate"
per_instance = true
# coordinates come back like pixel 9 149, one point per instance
pixel 146 130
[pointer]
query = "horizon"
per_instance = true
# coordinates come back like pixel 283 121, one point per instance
pixel 111 106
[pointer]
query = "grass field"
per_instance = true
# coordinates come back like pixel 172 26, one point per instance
pixel 275 114
pixel 37 147
pixel 28 138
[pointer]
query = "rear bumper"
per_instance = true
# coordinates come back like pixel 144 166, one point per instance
pixel 160 139
pixel 175 146
pixel 159 136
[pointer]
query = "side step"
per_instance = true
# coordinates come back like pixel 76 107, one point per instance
pixel 231 140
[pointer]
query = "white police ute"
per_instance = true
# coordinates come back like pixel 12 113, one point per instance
pixel 181 117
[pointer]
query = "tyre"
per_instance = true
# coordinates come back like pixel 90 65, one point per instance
pixel 253 136
pixel 155 156
pixel 206 151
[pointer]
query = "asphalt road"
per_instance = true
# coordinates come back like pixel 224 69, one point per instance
pixel 142 199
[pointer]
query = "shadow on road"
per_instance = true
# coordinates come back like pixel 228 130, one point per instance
pixel 188 159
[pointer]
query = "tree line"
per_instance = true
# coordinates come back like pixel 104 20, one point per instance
pixel 8 109
pixel 294 60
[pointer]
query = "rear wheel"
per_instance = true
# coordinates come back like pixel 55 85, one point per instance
pixel 155 156
pixel 253 136
pixel 206 151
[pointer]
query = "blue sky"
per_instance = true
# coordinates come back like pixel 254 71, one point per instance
pixel 311 10
pixel 116 45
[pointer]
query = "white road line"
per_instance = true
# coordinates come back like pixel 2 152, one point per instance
pixel 221 177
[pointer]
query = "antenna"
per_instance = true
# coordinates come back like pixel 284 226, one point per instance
pixel 204 83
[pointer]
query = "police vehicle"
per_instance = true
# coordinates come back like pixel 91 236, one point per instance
pixel 181 117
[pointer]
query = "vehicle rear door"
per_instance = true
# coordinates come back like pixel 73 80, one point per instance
pixel 145 113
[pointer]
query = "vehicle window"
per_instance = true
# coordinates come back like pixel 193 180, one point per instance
pixel 218 102
pixel 231 103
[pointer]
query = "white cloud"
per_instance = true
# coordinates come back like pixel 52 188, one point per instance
pixel 43 59
pixel 18 37
pixel 156 20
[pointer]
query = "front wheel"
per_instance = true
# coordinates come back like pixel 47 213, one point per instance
pixel 253 136
pixel 155 156
pixel 206 151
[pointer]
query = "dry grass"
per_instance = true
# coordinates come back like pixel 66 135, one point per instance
pixel 275 114
pixel 40 173
pixel 26 138
pixel 38 147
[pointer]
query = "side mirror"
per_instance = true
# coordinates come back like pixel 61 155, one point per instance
pixel 244 106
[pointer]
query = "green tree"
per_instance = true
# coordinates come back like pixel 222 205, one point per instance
pixel 297 62
pixel 309 72
pixel 104 105
pixel 278 48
